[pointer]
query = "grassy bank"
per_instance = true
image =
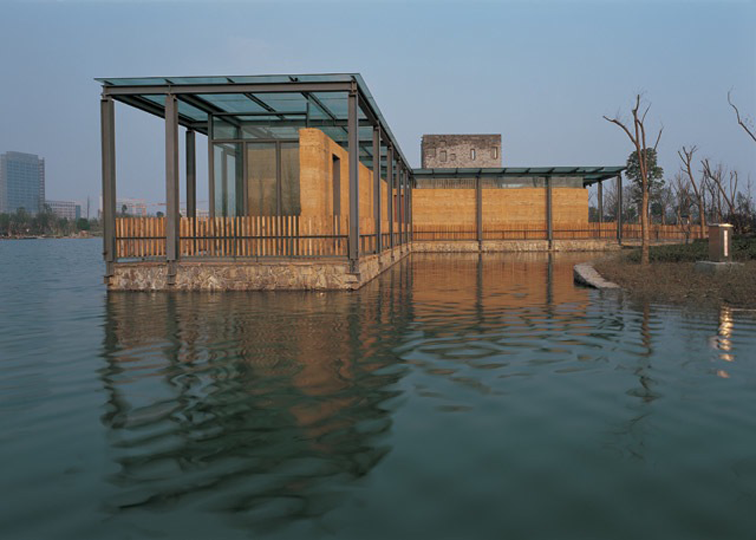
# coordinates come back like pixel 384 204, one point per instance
pixel 671 276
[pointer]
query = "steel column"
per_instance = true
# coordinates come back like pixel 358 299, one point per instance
pixel 478 211
pixel 406 198
pixel 191 174
pixel 210 168
pixel 410 221
pixel 601 202
pixel 377 186
pixel 619 208
pixel 171 183
pixel 549 213
pixel 354 182
pixel 390 192
pixel 107 139
pixel 400 200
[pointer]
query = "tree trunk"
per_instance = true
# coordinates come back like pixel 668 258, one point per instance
pixel 702 216
pixel 644 226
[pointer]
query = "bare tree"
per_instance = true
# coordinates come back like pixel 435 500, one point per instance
pixel 638 137
pixel 745 123
pixel 686 156
pixel 724 185
pixel 665 199
pixel 683 203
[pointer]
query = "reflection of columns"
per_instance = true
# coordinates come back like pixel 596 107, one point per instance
pixel 601 201
pixel 354 182
pixel 619 208
pixel 377 186
pixel 549 213
pixel 191 175
pixel 107 125
pixel 171 181
pixel 390 192
pixel 550 283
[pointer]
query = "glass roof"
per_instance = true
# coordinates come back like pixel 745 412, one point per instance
pixel 330 108
pixel 326 110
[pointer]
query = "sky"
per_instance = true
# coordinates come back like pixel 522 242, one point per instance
pixel 541 73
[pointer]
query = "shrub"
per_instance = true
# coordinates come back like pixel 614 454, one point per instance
pixel 743 249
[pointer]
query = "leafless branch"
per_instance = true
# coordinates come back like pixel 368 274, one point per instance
pixel 741 121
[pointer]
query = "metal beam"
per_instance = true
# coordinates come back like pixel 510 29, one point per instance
pixel 354 183
pixel 368 110
pixel 191 175
pixel 601 202
pixel 153 108
pixel 107 139
pixel 171 184
pixel 377 187
pixel 228 88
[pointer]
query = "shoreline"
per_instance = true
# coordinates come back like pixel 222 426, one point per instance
pixel 680 283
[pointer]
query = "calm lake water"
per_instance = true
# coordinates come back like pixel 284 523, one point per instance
pixel 454 397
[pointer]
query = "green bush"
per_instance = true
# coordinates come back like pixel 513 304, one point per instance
pixel 743 249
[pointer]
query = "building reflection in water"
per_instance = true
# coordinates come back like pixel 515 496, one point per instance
pixel 723 340
pixel 268 406
pixel 264 402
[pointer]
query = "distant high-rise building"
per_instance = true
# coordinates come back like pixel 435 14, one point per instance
pixel 22 182
pixel 70 210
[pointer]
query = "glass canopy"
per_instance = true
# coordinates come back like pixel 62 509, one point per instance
pixel 262 106
pixel 589 175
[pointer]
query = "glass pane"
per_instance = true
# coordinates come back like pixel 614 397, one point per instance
pixel 290 202
pixel 261 179
pixel 225 128
pixel 229 186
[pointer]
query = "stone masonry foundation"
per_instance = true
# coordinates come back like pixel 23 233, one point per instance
pixel 317 275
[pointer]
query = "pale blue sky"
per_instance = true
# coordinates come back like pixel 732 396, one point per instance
pixel 540 73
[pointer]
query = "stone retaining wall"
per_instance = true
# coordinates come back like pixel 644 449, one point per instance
pixel 318 275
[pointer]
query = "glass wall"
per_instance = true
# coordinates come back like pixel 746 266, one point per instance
pixel 229 179
pixel 289 165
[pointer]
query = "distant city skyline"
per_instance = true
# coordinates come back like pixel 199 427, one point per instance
pixel 22 182
pixel 542 74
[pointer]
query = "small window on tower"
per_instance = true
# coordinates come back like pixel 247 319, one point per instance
pixel 443 155
pixel 453 157
pixel 472 154
pixel 495 153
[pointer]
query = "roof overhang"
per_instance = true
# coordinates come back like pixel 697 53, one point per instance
pixel 590 175
pixel 262 100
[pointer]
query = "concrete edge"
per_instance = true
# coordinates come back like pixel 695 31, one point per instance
pixel 586 274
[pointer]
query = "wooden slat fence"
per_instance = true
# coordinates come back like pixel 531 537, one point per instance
pixel 562 231
pixel 235 237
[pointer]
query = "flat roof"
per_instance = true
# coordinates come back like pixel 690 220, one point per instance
pixel 590 175
pixel 320 100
